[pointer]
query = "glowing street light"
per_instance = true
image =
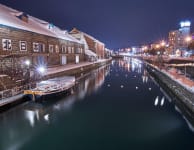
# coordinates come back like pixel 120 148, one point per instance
pixel 188 39
pixel 162 43
pixel 27 62
pixel 157 46
pixel 41 69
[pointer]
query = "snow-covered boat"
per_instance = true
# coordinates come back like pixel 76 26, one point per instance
pixel 51 88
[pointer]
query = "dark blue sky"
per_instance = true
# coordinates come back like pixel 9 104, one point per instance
pixel 117 23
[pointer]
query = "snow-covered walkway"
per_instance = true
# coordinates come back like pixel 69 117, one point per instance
pixel 59 69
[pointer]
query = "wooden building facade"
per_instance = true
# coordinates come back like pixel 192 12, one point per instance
pixel 19 42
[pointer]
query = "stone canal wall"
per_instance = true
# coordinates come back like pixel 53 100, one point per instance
pixel 77 69
pixel 177 91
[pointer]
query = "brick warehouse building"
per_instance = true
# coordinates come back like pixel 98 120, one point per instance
pixel 23 37
pixel 91 43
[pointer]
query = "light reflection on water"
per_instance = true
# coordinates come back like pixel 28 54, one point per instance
pixel 117 104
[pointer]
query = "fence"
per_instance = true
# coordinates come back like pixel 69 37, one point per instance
pixel 15 91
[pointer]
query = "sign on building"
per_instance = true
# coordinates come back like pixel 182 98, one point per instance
pixel 6 43
pixel 23 45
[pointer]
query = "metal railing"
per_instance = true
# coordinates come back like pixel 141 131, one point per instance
pixel 15 91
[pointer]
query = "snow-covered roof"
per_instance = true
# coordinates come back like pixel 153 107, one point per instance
pixel 76 31
pixel 91 37
pixel 9 17
pixel 90 53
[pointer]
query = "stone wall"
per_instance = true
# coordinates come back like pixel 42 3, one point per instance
pixel 179 94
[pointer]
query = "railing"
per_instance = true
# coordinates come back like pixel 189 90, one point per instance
pixel 15 91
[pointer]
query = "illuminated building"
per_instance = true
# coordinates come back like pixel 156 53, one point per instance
pixel 23 37
pixel 178 39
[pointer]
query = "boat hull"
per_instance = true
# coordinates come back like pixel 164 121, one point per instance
pixel 49 96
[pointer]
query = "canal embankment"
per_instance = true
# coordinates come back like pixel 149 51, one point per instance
pixel 14 96
pixel 181 92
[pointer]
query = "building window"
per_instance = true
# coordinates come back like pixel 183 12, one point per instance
pixel 41 47
pixel 69 50
pixel 64 49
pixel 23 46
pixel 51 49
pixel 72 49
pixel 6 43
pixel 77 50
pixel 57 48
pixel 38 47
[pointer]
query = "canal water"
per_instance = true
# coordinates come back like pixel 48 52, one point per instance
pixel 116 107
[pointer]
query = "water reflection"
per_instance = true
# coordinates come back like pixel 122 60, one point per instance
pixel 130 64
pixel 85 85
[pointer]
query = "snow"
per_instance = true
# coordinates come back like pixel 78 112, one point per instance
pixel 90 53
pixel 8 17
pixel 91 37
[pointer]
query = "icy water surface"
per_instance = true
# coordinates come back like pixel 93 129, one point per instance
pixel 114 107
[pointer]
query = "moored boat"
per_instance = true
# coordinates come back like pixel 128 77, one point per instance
pixel 51 88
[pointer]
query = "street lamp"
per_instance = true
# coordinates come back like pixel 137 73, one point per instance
pixel 157 46
pixel 162 43
pixel 27 62
pixel 41 69
pixel 188 39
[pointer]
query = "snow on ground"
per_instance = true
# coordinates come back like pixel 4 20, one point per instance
pixel 70 66
pixel 182 80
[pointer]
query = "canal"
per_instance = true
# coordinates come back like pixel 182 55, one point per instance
pixel 116 107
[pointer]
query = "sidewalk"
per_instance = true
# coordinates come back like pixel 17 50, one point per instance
pixel 58 69
pixel 182 79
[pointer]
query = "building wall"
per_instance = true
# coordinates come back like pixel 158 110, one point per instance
pixel 91 43
pixel 100 50
pixel 44 54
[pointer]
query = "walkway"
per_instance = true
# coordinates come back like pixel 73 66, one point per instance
pixel 58 69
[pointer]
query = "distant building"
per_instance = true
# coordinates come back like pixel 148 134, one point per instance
pixel 108 53
pixel 177 38
pixel 91 43
pixel 174 41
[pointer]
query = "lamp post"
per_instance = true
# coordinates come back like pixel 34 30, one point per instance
pixel 41 70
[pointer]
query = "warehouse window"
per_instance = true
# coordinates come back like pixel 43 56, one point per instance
pixel 64 49
pixel 51 49
pixel 57 48
pixel 36 47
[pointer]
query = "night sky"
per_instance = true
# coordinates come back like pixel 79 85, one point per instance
pixel 117 23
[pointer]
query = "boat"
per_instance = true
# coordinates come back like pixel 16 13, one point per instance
pixel 51 88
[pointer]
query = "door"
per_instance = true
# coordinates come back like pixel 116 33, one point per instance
pixel 64 60
pixel 77 59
